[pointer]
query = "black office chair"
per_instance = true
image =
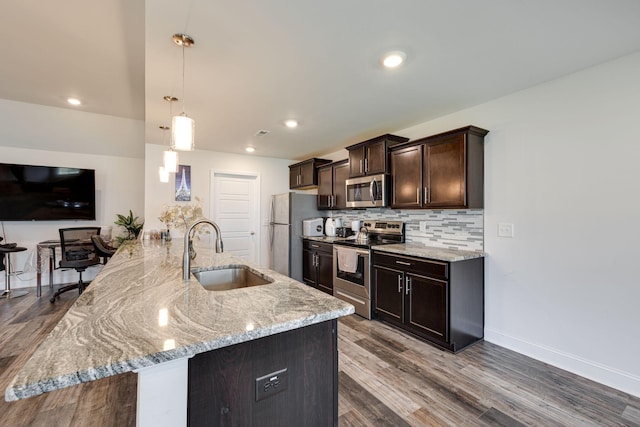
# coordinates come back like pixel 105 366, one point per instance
pixel 78 253
pixel 102 249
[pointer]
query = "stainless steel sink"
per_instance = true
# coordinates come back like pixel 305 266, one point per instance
pixel 224 279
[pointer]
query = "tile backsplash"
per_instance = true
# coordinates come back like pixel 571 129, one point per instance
pixel 453 229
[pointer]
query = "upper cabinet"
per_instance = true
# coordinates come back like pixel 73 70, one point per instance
pixel 304 174
pixel 370 157
pixel 331 185
pixel 440 171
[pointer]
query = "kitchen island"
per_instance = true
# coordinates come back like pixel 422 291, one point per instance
pixel 140 315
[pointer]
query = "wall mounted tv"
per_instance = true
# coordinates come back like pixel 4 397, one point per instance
pixel 45 193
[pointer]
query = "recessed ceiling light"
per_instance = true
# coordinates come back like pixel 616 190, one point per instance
pixel 250 149
pixel 74 101
pixel 291 123
pixel 394 59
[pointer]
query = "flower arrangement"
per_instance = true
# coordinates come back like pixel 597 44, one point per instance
pixel 181 216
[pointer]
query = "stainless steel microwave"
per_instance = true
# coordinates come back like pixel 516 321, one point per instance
pixel 367 191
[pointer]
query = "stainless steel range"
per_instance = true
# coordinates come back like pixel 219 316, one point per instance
pixel 352 262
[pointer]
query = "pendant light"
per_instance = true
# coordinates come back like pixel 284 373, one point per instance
pixel 171 161
pixel 163 174
pixel 170 156
pixel 182 126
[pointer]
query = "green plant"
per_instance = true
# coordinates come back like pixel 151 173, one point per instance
pixel 131 224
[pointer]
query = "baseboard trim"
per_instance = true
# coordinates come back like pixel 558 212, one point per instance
pixel 612 377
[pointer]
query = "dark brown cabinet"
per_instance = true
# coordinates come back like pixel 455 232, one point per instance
pixel 406 165
pixel 370 157
pixel 444 176
pixel 317 265
pixel 286 379
pixel 442 302
pixel 331 185
pixel 441 171
pixel 304 174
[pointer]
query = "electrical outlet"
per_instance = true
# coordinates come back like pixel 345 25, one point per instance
pixel 270 384
pixel 505 229
pixel 423 226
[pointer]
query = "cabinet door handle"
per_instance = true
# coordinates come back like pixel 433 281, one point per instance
pixel 408 288
pixel 360 166
pixel 418 195
pixel 366 165
pixel 426 197
pixel 403 262
pixel 428 194
pixel 332 202
pixel 315 246
pixel 315 260
pixel 399 284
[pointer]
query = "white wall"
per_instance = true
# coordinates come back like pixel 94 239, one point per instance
pixel 274 179
pixel 119 180
pixel 561 163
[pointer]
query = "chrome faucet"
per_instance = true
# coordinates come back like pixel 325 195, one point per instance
pixel 186 256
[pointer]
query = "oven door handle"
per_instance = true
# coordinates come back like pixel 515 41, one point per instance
pixel 360 252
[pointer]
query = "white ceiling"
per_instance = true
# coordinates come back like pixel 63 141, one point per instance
pixel 256 63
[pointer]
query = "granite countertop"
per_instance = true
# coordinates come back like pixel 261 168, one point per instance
pixel 431 252
pixel 138 312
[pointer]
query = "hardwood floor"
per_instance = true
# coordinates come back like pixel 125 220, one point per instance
pixel 386 378
pixel 389 378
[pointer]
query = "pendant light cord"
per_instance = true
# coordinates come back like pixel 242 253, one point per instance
pixel 183 110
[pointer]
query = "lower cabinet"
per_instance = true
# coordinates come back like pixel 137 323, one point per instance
pixel 287 379
pixel 317 265
pixel 442 302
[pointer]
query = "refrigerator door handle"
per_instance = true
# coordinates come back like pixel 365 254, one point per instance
pixel 272 215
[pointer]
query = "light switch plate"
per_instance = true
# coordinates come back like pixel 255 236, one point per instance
pixel 505 229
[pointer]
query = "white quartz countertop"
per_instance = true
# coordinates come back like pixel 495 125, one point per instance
pixel 138 312
pixel 431 252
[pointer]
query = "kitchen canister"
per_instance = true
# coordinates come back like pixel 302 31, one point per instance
pixel 355 225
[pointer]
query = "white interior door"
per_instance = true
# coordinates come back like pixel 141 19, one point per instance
pixel 236 209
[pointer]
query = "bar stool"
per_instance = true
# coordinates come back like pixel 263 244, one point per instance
pixel 6 255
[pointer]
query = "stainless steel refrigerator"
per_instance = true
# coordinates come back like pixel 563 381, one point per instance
pixel 285 231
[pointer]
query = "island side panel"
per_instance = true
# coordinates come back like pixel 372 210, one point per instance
pixel 222 383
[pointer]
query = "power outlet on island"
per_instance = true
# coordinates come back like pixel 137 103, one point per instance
pixel 505 229
pixel 270 384
pixel 423 226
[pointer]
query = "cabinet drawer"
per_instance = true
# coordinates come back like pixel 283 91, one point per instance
pixel 420 266
pixel 313 245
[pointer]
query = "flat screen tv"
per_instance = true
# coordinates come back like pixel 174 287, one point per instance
pixel 45 193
